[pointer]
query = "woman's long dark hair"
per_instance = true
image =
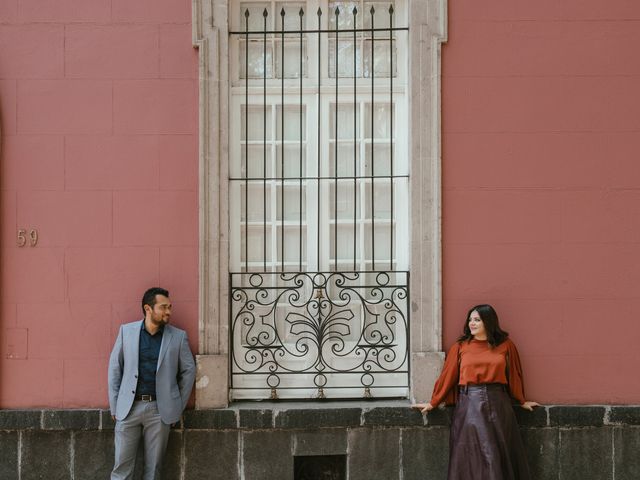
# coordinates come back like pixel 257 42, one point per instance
pixel 495 335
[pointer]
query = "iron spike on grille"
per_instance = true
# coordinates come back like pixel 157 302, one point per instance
pixel 373 10
pixel 301 12
pixel 391 9
pixel 355 11
pixel 265 13
pixel 282 12
pixel 319 12
pixel 246 13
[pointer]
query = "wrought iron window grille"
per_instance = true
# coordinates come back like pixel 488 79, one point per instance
pixel 314 332
pixel 305 333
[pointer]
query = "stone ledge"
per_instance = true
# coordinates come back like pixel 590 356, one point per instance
pixel 20 419
pixel 107 422
pixel 255 419
pixel 219 419
pixel 439 417
pixel 70 419
pixel 302 416
pixel 576 416
pixel 373 452
pixel 390 416
pixel 537 418
pixel 318 418
pixel 623 415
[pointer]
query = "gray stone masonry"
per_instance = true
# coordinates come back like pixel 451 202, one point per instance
pixel 381 440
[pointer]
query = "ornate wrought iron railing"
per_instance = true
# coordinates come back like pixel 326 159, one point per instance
pixel 305 334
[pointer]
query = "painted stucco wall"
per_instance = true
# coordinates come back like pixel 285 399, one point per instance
pixel 541 186
pixel 99 110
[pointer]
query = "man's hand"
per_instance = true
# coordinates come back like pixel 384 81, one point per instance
pixel 113 417
pixel 423 407
pixel 530 405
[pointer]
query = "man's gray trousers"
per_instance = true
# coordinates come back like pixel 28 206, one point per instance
pixel 143 419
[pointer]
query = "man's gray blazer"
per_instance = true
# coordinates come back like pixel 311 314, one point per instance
pixel 175 373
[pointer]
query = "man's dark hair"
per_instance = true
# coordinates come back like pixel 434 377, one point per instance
pixel 495 335
pixel 149 297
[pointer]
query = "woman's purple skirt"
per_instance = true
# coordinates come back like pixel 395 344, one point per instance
pixel 485 442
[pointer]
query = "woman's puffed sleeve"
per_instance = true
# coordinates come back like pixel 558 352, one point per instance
pixel 448 379
pixel 516 385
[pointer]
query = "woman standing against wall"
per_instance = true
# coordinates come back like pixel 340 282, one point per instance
pixel 481 374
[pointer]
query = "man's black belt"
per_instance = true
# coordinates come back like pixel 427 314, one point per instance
pixel 145 398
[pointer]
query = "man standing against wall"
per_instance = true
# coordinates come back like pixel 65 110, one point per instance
pixel 151 374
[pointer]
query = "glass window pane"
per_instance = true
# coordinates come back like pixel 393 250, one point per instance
pixel 345 15
pixel 345 121
pixel 292 204
pixel 346 65
pixel 291 59
pixel 345 244
pixel 291 16
pixel 258 117
pixel 256 241
pixel 256 161
pixel 381 160
pixel 382 200
pixel 382 242
pixel 381 60
pixel 380 17
pixel 346 203
pixel 292 161
pixel 255 19
pixel 294 124
pixel 346 165
pixel 259 61
pixel 258 208
pixel 381 121
pixel 292 253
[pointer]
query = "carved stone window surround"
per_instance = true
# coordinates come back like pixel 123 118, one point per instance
pixel 427 21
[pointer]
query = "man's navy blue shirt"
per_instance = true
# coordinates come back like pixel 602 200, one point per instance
pixel 149 351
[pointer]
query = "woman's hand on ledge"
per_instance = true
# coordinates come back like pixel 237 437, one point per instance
pixel 423 407
pixel 530 405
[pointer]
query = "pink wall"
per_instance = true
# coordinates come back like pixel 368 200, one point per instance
pixel 541 129
pixel 541 187
pixel 98 102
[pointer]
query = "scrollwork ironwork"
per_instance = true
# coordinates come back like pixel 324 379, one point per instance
pixel 312 327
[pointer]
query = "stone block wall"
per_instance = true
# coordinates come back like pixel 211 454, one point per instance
pixel 383 441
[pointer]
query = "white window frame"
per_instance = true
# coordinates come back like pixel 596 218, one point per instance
pixel 427 31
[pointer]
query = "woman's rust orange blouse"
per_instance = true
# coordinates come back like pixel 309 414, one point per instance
pixel 475 361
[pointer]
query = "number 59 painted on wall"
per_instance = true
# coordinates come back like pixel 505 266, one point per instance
pixel 22 237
